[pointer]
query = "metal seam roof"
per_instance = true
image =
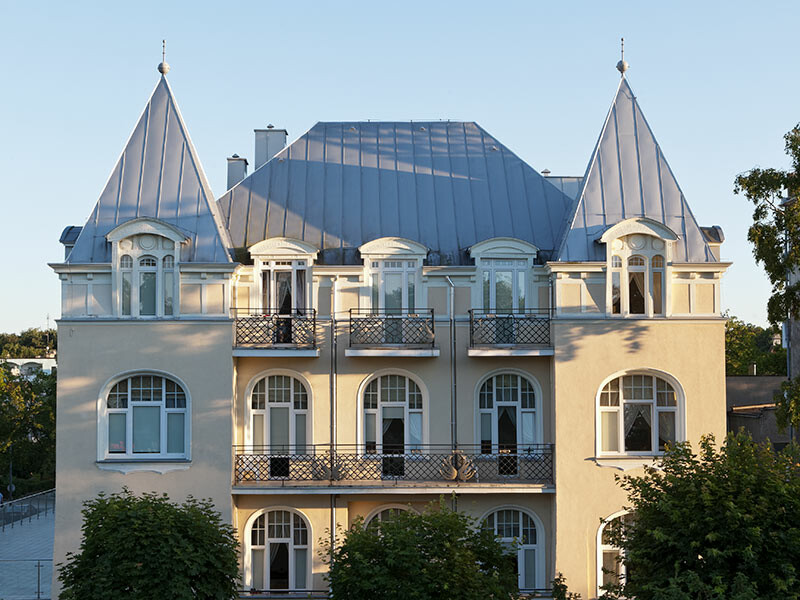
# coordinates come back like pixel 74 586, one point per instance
pixel 157 175
pixel 628 176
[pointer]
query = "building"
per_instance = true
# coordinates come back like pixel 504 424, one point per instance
pixel 29 367
pixel 751 406
pixel 379 314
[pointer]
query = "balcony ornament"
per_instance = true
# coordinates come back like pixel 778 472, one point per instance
pixel 457 467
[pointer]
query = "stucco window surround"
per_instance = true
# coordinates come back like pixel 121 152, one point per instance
pixel 508 412
pixel 144 422
pixel 385 512
pixel 393 275
pixel 520 526
pixel 282 269
pixel 505 274
pixel 278 413
pixel 609 568
pixel 392 413
pixel 278 550
pixel 637 412
pixel 638 264
pixel 145 254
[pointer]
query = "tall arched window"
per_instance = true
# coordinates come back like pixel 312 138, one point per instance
pixel 146 281
pixel 637 275
pixel 279 556
pixel 638 413
pixel 515 526
pixel 146 416
pixel 386 513
pixel 278 420
pixel 610 568
pixel 508 418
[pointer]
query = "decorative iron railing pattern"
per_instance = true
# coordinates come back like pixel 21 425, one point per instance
pixel 529 327
pixel 264 328
pixel 376 328
pixel 530 463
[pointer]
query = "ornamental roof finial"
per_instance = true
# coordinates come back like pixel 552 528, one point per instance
pixel 622 66
pixel 163 66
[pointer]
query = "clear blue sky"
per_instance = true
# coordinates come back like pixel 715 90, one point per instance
pixel 718 82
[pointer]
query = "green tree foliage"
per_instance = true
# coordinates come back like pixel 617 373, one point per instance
pixel 775 232
pixel 439 554
pixel 27 431
pixel 747 344
pixel 561 591
pixel 28 344
pixel 145 547
pixel 720 525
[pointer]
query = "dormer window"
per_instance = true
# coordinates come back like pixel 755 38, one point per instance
pixel 504 284
pixel 393 285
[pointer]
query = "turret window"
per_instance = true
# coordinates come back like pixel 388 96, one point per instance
pixel 636 283
pixel 146 281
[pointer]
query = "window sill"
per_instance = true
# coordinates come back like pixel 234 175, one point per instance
pixel 627 462
pixel 154 465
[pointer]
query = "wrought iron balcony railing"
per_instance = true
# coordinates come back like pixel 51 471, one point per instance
pixel 380 328
pixel 528 327
pixel 265 328
pixel 529 463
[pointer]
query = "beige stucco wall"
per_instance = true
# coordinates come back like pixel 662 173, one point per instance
pixel 90 354
pixel 586 354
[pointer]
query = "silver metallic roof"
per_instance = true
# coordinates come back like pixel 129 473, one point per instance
pixel 158 175
pixel 447 185
pixel 628 176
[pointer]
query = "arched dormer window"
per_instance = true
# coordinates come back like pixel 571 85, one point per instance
pixel 393 268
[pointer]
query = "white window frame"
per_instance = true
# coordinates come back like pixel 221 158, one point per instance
pixel 103 422
pixel 410 271
pixel 655 410
pixel 249 547
pixel 251 413
pixel 538 547
pixel 493 411
pixel 520 269
pixel 271 268
pixel 376 512
pixel 378 410
pixel 601 547
pixel 163 248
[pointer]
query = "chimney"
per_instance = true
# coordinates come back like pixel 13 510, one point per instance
pixel 269 142
pixel 237 170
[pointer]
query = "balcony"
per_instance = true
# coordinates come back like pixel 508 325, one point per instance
pixel 410 466
pixel 390 333
pixel 264 332
pixel 513 333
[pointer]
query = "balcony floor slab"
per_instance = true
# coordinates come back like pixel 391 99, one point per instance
pixel 393 352
pixel 343 487
pixel 277 352
pixel 501 351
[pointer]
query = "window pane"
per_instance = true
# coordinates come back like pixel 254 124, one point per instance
pixel 666 429
pixel 638 427
pixel 283 291
pixel 278 566
pixel 146 429
pixel 300 562
pixel 609 427
pixel 528 433
pixel 636 293
pixel 529 572
pixel 486 433
pixel 411 300
pixel 487 302
pixel 279 428
pixel 658 294
pixel 257 563
pixel 265 296
pixel 147 294
pixel 393 429
pixel 300 291
pixel 126 293
pixel 504 290
pixel 300 433
pixel 375 291
pixel 175 433
pixel 169 289
pixel 415 429
pixel 258 430
pixel 521 290
pixel 616 296
pixel 393 292
pixel 611 566
pixel 116 432
pixel 369 431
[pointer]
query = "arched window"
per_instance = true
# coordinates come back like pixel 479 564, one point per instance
pixel 508 418
pixel 146 283
pixel 392 420
pixel 148 269
pixel 385 514
pixel 610 568
pixel 638 414
pixel 637 276
pixel 515 526
pixel 146 417
pixel 278 420
pixel 278 553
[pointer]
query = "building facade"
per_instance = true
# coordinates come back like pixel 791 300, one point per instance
pixel 380 314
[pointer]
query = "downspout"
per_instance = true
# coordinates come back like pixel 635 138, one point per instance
pixel 453 384
pixel 333 407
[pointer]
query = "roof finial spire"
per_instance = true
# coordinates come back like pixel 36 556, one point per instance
pixel 163 67
pixel 622 66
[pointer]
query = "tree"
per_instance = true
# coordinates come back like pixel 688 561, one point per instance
pixel 747 344
pixel 28 344
pixel 439 554
pixel 721 525
pixel 28 430
pixel 144 547
pixel 775 232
